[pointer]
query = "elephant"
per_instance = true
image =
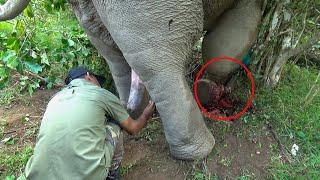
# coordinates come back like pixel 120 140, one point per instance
pixel 149 43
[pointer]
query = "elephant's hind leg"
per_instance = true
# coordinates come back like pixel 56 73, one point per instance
pixel 232 35
pixel 99 36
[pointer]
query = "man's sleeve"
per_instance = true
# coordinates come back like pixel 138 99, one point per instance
pixel 114 108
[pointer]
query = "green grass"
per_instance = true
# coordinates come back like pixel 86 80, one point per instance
pixel 126 169
pixel 152 131
pixel 294 121
pixel 13 160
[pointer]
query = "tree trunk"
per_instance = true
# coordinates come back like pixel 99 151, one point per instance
pixel 279 40
pixel 12 8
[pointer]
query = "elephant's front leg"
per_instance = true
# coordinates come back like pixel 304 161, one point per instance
pixel 120 70
pixel 156 40
pixel 133 94
pixel 99 36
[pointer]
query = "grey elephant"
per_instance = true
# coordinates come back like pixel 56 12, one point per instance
pixel 150 41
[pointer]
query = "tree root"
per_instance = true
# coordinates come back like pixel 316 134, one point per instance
pixel 283 151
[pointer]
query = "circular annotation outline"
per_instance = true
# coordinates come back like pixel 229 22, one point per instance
pixel 249 102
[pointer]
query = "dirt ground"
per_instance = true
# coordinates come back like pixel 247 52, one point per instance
pixel 239 152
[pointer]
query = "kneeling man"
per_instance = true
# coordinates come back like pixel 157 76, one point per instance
pixel 76 140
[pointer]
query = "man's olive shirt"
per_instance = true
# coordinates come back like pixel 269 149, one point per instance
pixel 71 143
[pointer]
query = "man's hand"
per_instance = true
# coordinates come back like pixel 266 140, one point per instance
pixel 134 126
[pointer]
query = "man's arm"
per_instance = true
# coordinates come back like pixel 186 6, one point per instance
pixel 134 126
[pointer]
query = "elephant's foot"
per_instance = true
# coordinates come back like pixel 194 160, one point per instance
pixel 138 98
pixel 216 98
pixel 198 147
pixel 188 138
pixel 209 91
pixel 184 127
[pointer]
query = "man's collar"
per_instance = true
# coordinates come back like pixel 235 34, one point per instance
pixel 80 82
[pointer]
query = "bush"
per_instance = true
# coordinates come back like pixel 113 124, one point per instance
pixel 38 47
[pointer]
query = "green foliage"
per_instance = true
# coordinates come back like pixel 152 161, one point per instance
pixel 289 31
pixel 38 48
pixel 52 5
pixel 151 131
pixel 199 175
pixel 125 169
pixel 13 161
pixel 11 177
pixel 295 121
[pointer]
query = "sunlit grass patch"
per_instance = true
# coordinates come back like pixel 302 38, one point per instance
pixel 294 120
pixel 13 160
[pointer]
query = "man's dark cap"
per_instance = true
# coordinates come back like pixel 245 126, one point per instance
pixel 80 71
